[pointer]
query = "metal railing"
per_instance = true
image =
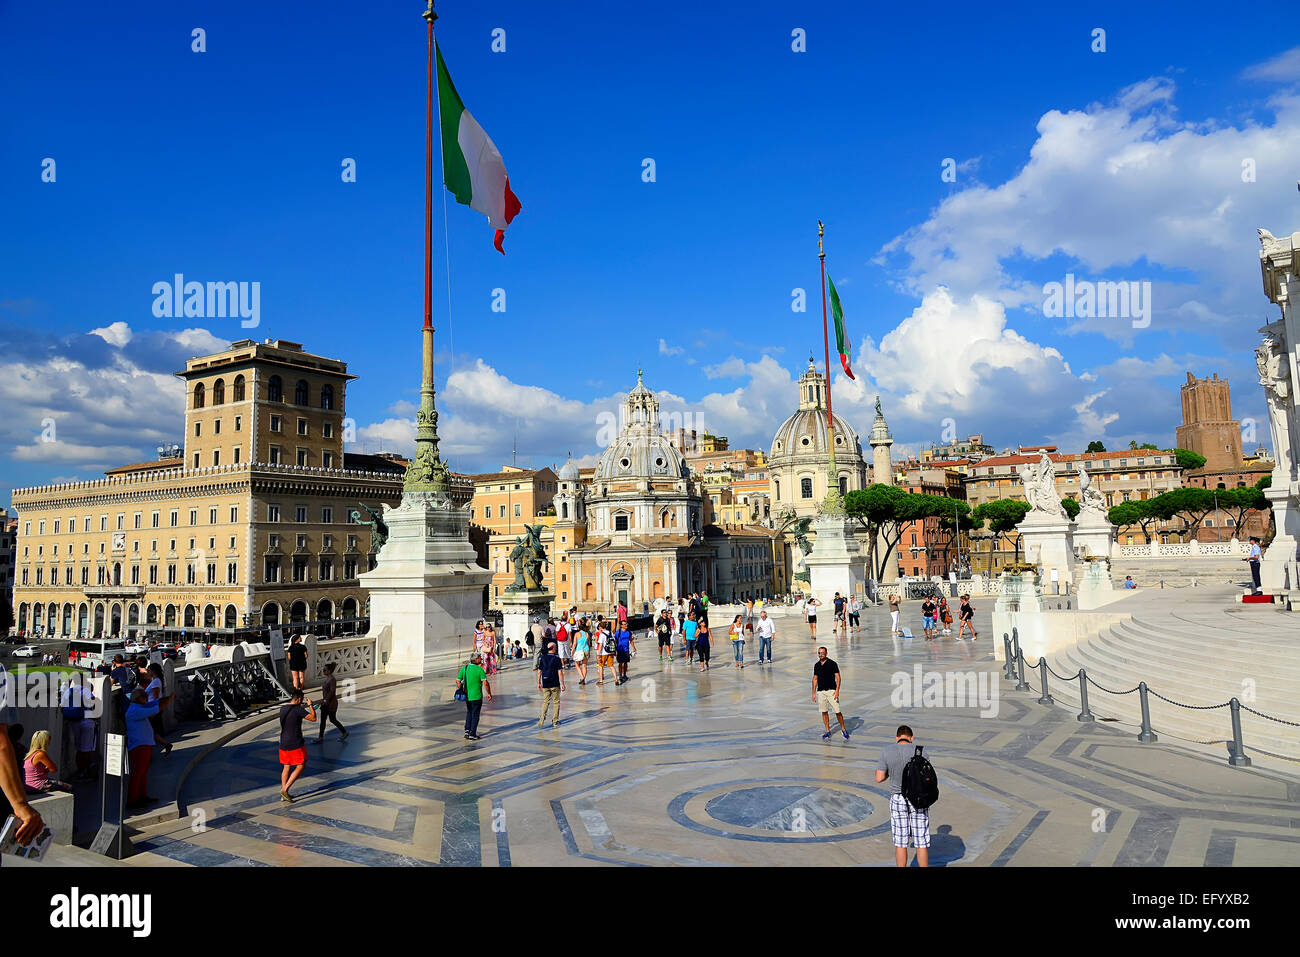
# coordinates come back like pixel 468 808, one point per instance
pixel 1013 669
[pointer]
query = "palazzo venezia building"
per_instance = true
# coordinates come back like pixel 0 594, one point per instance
pixel 257 523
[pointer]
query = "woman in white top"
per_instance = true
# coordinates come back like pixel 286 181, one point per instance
pixel 738 640
pixel 581 649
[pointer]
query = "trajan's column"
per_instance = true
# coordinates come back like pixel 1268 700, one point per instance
pixel 1278 361
pixel 882 468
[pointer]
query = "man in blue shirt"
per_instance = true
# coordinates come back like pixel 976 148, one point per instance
pixel 1256 553
pixel 624 648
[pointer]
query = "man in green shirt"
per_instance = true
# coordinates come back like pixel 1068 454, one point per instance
pixel 473 679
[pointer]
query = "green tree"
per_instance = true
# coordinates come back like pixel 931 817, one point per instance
pixel 1071 508
pixel 1191 504
pixel 1148 445
pixel 885 511
pixel 1188 459
pixel 1000 517
pixel 1095 446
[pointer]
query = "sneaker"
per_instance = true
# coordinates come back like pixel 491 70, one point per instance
pixel 826 736
pixel 474 737
pixel 285 798
pixel 467 735
pixel 846 735
pixel 555 724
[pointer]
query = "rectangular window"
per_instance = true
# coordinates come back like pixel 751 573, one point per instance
pixel 189 573
pixel 234 515
pixel 302 541
pixel 275 455
pixel 274 541
pixel 212 573
pixel 212 516
pixel 25 576
pixel 327 430
pixel 326 569
pixel 236 458
pixel 302 426
pixel 273 513
pixel 56 526
pixel 171 574
pixel 196 459
pixel 327 515
pixel 275 423
pixel 300 569
pixel 327 460
pixel 239 421
pixel 352 543
pixel 67 578
pixel 135 575
pixel 153 574
pixel 154 519
pixel 620 523
pixel 216 457
pixel 175 517
pixel 327 541
pixel 273 569
pixel 232 573
pixel 350 568
pixel 40 576
pixel 198 429
pixel 194 516
pixel 302 458
pixel 503 512
pixel 300 513
pixel 517 507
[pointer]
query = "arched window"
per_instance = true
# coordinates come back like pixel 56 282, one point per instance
pixel 237 389
pixel 198 396
pixel 274 389
pixel 219 392
pixel 327 397
pixel 776 486
pixel 300 392
pixel 805 488
pixel 564 510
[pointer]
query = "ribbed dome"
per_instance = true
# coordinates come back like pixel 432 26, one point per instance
pixel 569 471
pixel 641 451
pixel 804 433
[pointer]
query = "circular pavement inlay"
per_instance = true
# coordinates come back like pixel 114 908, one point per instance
pixel 794 810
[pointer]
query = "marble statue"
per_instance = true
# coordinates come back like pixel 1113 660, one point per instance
pixel 1275 377
pixel 528 558
pixel 1092 504
pixel 1039 480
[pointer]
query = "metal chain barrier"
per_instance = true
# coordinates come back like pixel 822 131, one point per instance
pixel 1236 752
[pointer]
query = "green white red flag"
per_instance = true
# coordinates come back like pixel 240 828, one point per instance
pixel 842 343
pixel 472 168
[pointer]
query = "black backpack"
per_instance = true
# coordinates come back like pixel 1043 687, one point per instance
pixel 920 785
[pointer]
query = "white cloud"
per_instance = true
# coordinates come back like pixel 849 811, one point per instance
pixel 116 334
pixel 666 350
pixel 1282 68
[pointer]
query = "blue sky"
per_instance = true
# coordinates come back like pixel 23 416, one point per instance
pixel 225 165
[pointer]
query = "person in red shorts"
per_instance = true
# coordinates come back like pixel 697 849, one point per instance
pixel 293 752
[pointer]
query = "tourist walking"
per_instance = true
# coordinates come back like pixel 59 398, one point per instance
pixel 928 609
pixel 910 825
pixel 606 646
pixel 624 648
pixel 855 614
pixel 564 635
pixel 689 629
pixel 681 615
pixel 810 613
pixel 473 680
pixel 550 682
pixel 738 640
pixel 826 692
pixel 966 616
pixel 293 748
pixel 581 649
pixel 153 686
pixel 894 606
pixel 330 703
pixel 840 606
pixel 944 616
pixel 702 643
pixel 664 632
pixel 298 662
pixel 766 631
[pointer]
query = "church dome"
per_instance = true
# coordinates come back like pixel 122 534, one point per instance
pixel 641 451
pixel 569 471
pixel 805 432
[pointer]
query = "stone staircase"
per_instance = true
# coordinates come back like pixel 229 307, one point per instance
pixel 1178 572
pixel 1197 647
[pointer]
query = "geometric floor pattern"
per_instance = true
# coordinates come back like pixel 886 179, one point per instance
pixel 728 768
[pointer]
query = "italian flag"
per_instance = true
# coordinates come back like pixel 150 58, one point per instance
pixel 471 166
pixel 841 340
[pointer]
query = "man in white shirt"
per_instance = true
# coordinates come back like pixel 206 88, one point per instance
pixel 1256 553
pixel 766 630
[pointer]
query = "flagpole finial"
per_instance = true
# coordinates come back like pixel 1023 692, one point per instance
pixel 821 230
pixel 429 14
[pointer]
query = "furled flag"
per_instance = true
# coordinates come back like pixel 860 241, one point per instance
pixel 841 340
pixel 471 166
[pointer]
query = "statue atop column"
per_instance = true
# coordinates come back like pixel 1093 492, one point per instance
pixel 1039 480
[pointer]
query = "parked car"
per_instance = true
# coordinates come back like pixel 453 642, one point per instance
pixel 27 651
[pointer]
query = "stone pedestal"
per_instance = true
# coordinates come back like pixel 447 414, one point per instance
pixel 1279 571
pixel 1095 586
pixel 1021 599
pixel 836 563
pixel 1093 537
pixel 519 608
pixel 1049 544
pixel 426 591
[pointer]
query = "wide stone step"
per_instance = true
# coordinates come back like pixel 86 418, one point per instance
pixel 1207 660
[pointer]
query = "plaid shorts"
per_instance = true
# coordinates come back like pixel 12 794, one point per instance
pixel 910 825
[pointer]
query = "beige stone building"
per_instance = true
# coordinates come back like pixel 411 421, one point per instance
pixel 259 522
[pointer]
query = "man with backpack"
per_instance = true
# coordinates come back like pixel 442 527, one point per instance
pixel 624 647
pixel 913 789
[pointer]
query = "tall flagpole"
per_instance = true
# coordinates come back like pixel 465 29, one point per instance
pixel 834 501
pixel 427 472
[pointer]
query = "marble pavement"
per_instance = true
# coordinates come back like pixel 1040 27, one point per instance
pixel 727 768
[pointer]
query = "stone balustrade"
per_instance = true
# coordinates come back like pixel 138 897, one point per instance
pixel 1193 549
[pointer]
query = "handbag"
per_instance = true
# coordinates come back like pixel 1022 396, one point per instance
pixel 461 688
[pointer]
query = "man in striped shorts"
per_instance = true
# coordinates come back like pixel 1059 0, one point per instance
pixel 910 825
